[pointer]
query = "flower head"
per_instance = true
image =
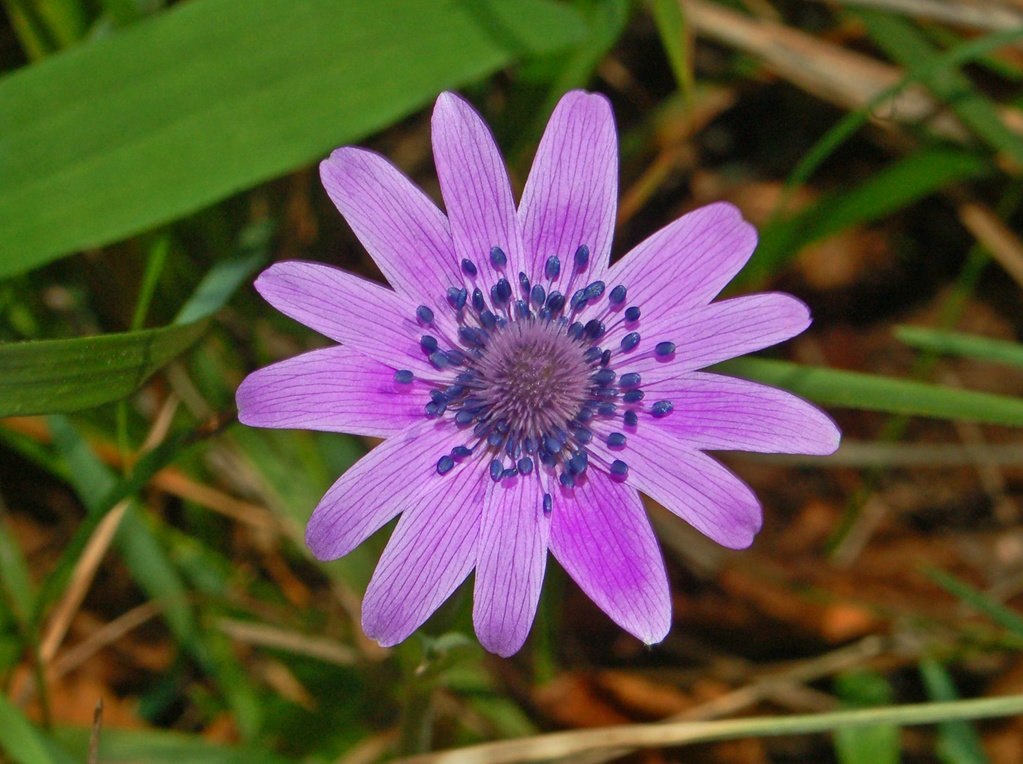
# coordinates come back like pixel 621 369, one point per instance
pixel 527 390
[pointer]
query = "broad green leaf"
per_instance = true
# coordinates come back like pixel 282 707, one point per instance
pixel 966 345
pixel 850 389
pixel 22 742
pixel 51 376
pixel 958 742
pixel 183 109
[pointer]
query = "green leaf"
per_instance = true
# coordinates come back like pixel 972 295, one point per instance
pixel 216 288
pixel 211 97
pixel 1005 617
pixel 906 181
pixel 51 376
pixel 866 745
pixel 676 41
pixel 150 567
pixel 22 743
pixel 904 43
pixel 958 742
pixel 121 746
pixel 966 345
pixel 850 389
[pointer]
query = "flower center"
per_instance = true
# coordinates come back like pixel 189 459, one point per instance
pixel 534 377
pixel 528 381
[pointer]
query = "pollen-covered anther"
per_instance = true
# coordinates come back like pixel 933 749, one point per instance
pixel 534 377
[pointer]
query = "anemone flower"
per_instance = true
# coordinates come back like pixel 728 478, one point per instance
pixel 527 390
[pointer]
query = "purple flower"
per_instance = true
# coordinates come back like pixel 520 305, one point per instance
pixel 527 390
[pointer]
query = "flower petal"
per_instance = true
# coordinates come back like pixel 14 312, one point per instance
pixel 477 194
pixel 372 319
pixel 690 484
pixel 712 333
pixel 687 262
pixel 431 552
pixel 334 390
pixel 601 536
pixel 403 231
pixel 571 195
pixel 723 413
pixel 374 489
pixel 511 561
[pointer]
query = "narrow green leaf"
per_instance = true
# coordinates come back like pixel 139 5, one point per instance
pixel 902 183
pixel 22 743
pixel 1006 618
pixel 850 389
pixel 213 96
pixel 14 576
pixel 880 744
pixel 675 39
pixel 904 43
pixel 220 283
pixel 958 742
pixel 159 747
pixel 966 345
pixel 153 570
pixel 51 376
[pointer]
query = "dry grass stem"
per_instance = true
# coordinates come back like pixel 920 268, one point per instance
pixel 107 635
pixel 990 231
pixel 558 745
pixel 786 684
pixel 978 15
pixel 290 641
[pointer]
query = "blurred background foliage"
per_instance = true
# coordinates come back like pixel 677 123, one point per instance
pixel 155 155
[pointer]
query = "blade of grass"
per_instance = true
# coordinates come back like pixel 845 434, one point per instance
pixel 122 746
pixel 1006 618
pixel 23 743
pixel 902 183
pixel 856 390
pixel 908 46
pixel 137 542
pixel 676 40
pixel 879 744
pixel 56 376
pixel 50 376
pixel 217 287
pixel 964 345
pixel 958 742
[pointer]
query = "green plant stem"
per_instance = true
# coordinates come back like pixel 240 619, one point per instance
pixel 950 313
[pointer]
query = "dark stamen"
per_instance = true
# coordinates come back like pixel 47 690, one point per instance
pixel 582 256
pixel 662 408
